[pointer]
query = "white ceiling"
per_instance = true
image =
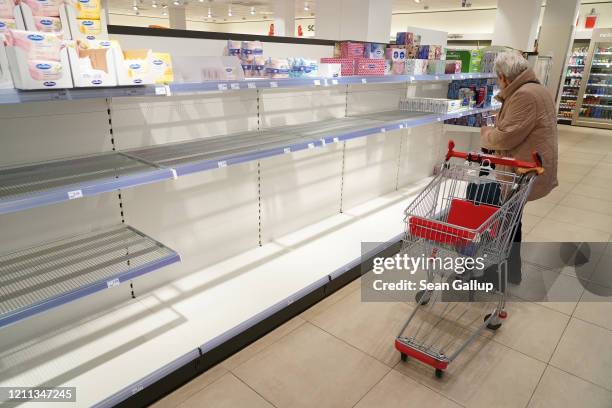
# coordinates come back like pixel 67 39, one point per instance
pixel 264 9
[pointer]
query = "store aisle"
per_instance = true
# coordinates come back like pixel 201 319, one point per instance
pixel 340 352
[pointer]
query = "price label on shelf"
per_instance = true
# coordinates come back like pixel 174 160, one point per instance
pixel 462 77
pixel 311 145
pixel 401 126
pixel 383 130
pixel 323 142
pixel 452 77
pixel 273 84
pixel 437 77
pixel 287 150
pixel 317 82
pixel 160 90
pixel 235 86
pixel 222 164
pixel 334 82
pixel 439 119
pixel 412 78
pixel 336 140
pixel 113 283
pixel 222 87
pixel 364 81
pixel 75 194
pixel 174 174
pixel 252 85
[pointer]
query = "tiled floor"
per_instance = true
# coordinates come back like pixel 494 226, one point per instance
pixel 340 352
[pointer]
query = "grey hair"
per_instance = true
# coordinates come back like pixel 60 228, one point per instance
pixel 510 64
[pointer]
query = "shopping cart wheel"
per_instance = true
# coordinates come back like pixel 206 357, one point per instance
pixel 439 373
pixel 419 295
pixel 491 326
pixel 404 357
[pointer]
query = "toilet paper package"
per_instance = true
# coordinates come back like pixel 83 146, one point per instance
pixel 396 54
pixel 347 64
pixel 452 67
pixel 388 66
pixel 349 49
pixel 277 68
pixel 398 67
pixel 436 67
pixel 233 48
pixel 434 105
pixel 416 66
pixel 374 51
pixel 367 66
pixel 423 52
pixel 404 38
pixel 330 70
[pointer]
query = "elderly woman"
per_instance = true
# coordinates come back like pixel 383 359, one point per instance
pixel 526 123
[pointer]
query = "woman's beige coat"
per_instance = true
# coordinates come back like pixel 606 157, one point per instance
pixel 526 123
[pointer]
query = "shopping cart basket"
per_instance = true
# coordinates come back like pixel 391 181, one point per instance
pixel 467 210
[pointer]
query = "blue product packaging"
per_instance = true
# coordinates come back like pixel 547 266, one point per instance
pixel 375 51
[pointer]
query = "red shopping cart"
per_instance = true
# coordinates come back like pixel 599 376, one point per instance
pixel 467 210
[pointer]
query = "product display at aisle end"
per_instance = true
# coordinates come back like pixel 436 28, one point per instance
pixel 571 83
pixel 595 106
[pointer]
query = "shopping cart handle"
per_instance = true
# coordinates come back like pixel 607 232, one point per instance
pixel 492 159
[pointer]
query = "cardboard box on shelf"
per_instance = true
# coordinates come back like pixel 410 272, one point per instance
pixel 87 19
pixel 37 60
pixel 92 63
pixel 133 67
pixel 367 66
pixel 347 64
pixel 47 17
pixel 161 67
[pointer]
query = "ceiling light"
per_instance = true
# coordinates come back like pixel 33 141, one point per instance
pixel 252 11
pixel 229 12
pixel 209 13
pixel 176 3
pixel 306 8
pixel 154 5
pixel 417 1
pixel 164 13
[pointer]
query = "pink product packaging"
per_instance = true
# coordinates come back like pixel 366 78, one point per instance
pixel 453 67
pixel 6 23
pixel 45 70
pixel 398 67
pixel 368 66
pixel 7 9
pixel 47 8
pixel 48 24
pixel 37 45
pixel 347 64
pixel 352 50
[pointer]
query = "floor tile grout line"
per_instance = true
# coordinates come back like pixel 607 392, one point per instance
pixel 201 389
pixel 264 348
pixel 548 362
pixel 349 344
pixel 580 378
pixel 593 324
pixel 251 388
pixel 372 387
pixel 418 381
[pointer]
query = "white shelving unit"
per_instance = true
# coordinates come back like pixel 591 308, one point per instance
pixel 242 181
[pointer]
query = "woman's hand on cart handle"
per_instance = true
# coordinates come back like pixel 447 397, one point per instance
pixel 492 159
